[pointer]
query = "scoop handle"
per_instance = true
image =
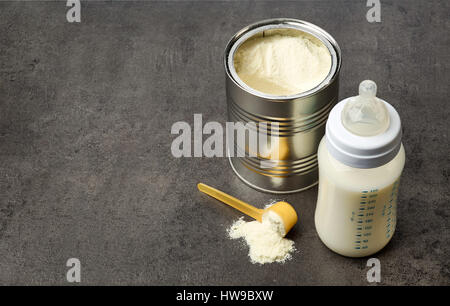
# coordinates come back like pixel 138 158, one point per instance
pixel 247 209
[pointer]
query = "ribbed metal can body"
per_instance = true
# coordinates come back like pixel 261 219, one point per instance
pixel 300 119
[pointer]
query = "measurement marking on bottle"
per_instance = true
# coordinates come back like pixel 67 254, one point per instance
pixel 367 202
pixel 389 210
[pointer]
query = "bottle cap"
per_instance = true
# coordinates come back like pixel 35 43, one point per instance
pixel 363 131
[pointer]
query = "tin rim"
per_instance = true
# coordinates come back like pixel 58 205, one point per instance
pixel 282 23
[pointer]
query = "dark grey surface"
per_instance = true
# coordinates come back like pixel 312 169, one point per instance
pixel 86 169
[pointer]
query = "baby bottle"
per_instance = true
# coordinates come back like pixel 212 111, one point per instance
pixel 361 158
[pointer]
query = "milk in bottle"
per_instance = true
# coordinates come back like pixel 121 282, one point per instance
pixel 361 159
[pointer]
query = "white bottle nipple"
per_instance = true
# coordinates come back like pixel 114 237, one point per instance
pixel 365 115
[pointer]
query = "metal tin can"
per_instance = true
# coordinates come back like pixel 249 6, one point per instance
pixel 301 118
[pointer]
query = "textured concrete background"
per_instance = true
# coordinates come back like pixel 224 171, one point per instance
pixel 85 163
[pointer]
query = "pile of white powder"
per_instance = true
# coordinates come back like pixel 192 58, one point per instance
pixel 265 239
pixel 283 64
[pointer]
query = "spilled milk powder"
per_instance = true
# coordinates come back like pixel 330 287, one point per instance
pixel 265 239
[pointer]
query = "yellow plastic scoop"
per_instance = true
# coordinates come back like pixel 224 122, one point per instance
pixel 282 209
